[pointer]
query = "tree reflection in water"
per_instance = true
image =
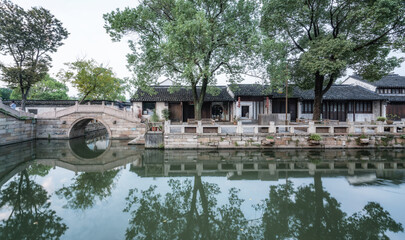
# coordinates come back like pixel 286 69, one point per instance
pixel 30 216
pixel 309 212
pixel 87 187
pixel 191 211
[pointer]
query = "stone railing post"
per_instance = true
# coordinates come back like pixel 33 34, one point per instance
pixel 351 128
pixel 331 130
pixel 256 129
pixel 292 130
pixel 199 127
pixel 380 127
pixel 311 127
pixel 167 126
pixel 54 112
pixel 239 128
pixel 272 127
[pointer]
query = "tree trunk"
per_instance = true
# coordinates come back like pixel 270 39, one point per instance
pixel 23 98
pixel 197 110
pixel 318 96
pixel 319 207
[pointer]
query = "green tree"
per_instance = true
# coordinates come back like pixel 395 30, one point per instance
pixel 31 216
pixel 309 212
pixel 320 39
pixel 93 81
pixel 190 42
pixel 188 211
pixel 29 37
pixel 86 188
pixel 5 93
pixel 47 89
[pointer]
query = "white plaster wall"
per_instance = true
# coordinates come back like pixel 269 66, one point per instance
pixel 238 110
pixel 159 108
pixel 355 82
pixel 44 109
pixel 361 117
pixel 306 116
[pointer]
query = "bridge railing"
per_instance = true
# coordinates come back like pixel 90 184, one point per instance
pixel 15 113
pixel 272 128
pixel 87 108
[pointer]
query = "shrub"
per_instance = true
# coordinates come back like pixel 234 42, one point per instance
pixel 315 137
pixel 166 114
pixel 154 117
pixel 381 119
pixel 270 137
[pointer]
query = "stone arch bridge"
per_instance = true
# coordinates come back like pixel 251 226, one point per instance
pixel 71 122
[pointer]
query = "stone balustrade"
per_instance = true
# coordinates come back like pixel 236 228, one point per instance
pixel 15 113
pixel 295 129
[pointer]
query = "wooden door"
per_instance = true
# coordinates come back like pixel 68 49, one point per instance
pixel 188 111
pixel 334 111
pixel 176 113
pixel 396 109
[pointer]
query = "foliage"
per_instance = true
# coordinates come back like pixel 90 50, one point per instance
pixel 381 119
pixel 392 117
pixel 93 81
pixel 5 93
pixel 270 137
pixel 315 137
pixel 187 211
pixel 47 89
pixel 86 188
pixel 154 117
pixel 31 216
pixel 166 114
pixel 320 39
pixel 363 136
pixel 308 212
pixel 28 37
pixel 190 42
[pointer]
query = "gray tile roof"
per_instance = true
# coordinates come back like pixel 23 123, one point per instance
pixel 395 98
pixel 250 90
pixel 163 94
pixel 342 92
pixel 389 81
pixel 60 103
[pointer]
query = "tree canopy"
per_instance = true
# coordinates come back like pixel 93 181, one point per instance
pixel 320 39
pixel 189 42
pixel 28 37
pixel 47 89
pixel 93 81
pixel 5 93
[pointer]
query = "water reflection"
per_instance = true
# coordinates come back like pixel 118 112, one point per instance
pixel 193 207
pixel 87 188
pixel 90 147
pixel 30 215
pixel 191 211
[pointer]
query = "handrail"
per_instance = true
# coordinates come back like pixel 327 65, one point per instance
pixel 272 128
pixel 131 116
pixel 15 113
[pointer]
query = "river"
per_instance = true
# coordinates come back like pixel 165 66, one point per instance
pixel 96 188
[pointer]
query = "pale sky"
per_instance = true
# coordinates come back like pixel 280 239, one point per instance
pixel 88 38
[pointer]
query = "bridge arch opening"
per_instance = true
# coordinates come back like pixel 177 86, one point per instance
pixel 89 128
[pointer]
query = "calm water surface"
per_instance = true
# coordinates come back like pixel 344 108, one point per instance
pixel 102 189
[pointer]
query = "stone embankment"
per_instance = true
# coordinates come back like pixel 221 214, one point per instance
pixel 218 141
pixel 15 126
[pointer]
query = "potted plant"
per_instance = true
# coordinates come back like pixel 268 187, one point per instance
pixel 363 140
pixel 314 139
pixel 235 120
pixel 381 119
pixel 391 118
pixel 268 141
pixel 154 119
